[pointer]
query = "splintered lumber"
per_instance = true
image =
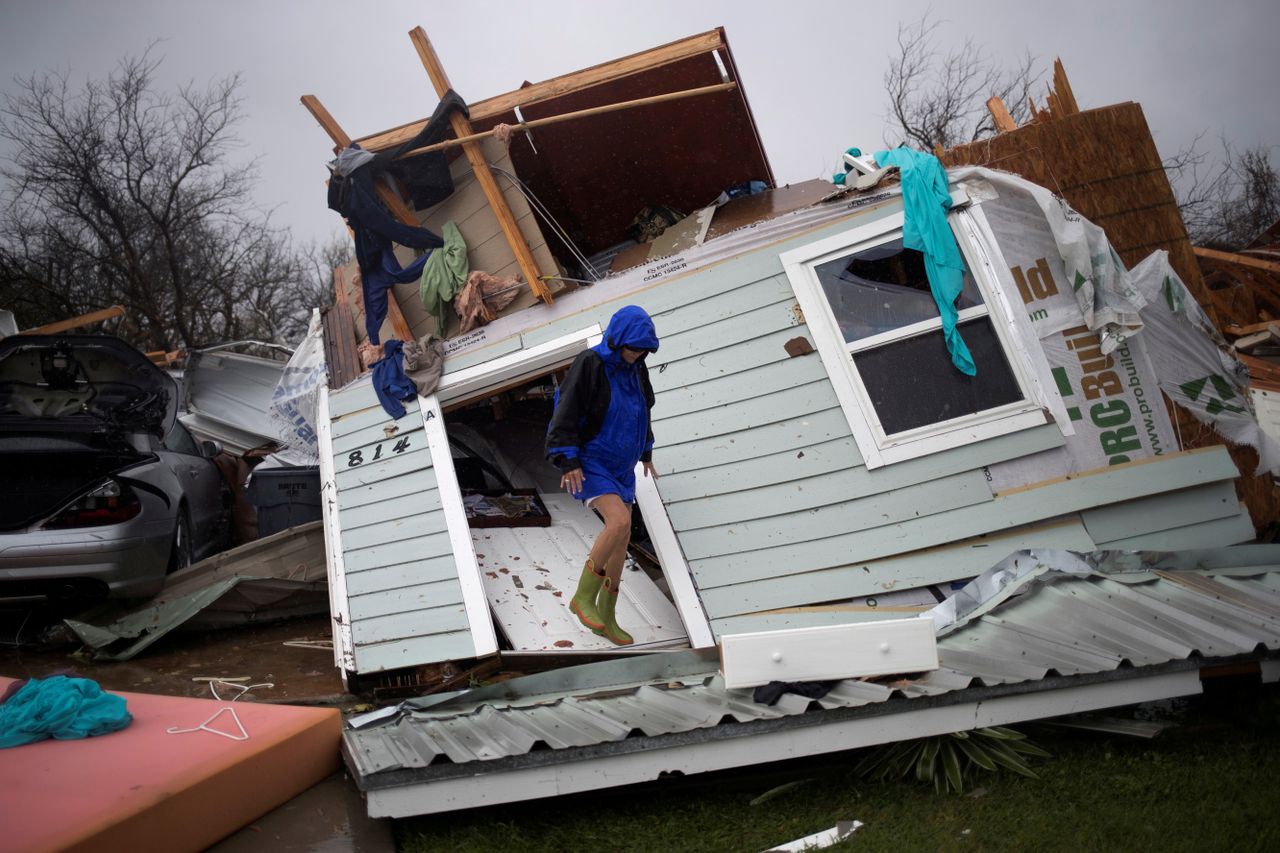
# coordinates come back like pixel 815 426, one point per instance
pixel 480 167
pixel 1000 115
pixel 593 111
pixel 77 322
pixel 1066 99
pixel 1236 258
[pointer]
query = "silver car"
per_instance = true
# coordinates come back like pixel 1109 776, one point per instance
pixel 102 491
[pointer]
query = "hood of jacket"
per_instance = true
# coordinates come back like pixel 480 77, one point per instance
pixel 628 327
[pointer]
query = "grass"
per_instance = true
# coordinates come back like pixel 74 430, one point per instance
pixel 1211 784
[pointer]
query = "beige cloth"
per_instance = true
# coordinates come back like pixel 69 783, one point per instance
pixel 482 297
pixel 424 362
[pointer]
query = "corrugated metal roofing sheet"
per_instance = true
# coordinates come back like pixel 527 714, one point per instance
pixel 1074 625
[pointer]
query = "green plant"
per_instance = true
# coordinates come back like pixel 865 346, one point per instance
pixel 949 760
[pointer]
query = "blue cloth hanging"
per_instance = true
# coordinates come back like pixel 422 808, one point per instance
pixel 390 382
pixel 926 200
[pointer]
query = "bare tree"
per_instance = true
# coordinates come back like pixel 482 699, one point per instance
pixel 118 193
pixel 939 97
pixel 1226 206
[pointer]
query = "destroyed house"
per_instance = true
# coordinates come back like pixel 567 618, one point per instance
pixel 819 453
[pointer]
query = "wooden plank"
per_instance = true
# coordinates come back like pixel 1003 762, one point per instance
pixel 828 653
pixel 1161 512
pixel 416 482
pixel 698 313
pixel 1108 486
pixel 391 464
pixel 389 531
pixel 953 561
pixel 420 548
pixel 401 626
pixel 406 599
pixel 1218 533
pixel 1000 115
pixel 768 469
pixel 1062 91
pixel 353 440
pixel 780 437
pixel 1237 258
pixel 734 329
pixel 922 501
pixel 420 571
pixel 374 420
pixel 721 391
pixel 327 122
pixel 479 165
pixel 76 322
pixel 354 398
pixel 749 414
pixel 378 657
pixel 748 355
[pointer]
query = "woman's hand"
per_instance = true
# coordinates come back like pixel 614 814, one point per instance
pixel 571 482
pixel 650 471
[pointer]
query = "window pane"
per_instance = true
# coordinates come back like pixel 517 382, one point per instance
pixel 913 383
pixel 883 288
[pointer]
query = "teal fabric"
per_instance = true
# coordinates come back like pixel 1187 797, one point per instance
pixel 927 200
pixel 443 275
pixel 60 707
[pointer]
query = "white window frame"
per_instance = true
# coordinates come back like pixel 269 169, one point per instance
pixel 878 448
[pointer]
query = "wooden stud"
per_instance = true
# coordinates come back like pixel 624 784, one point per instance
pixel 1000 115
pixel 1062 88
pixel 1236 258
pixel 592 111
pixel 500 105
pixel 480 166
pixel 76 322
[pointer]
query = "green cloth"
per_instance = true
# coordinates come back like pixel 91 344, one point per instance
pixel 443 275
pixel 60 707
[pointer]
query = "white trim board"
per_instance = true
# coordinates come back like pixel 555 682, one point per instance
pixel 608 771
pixel 339 608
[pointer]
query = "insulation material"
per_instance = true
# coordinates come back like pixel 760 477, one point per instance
pixel 1112 396
pixel 1196 370
pixel 293 402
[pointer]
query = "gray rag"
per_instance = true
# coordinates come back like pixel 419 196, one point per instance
pixel 424 362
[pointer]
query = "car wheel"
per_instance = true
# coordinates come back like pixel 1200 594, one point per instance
pixel 180 553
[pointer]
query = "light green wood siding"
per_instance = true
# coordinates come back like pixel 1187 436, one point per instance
pixel 401 579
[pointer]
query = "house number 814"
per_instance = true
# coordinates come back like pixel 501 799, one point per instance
pixel 356 457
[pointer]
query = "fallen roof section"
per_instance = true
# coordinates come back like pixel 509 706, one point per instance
pixel 1086 633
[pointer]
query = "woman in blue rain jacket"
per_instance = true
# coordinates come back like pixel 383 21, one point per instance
pixel 599 432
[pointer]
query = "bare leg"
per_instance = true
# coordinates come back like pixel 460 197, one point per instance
pixel 611 546
pixel 610 549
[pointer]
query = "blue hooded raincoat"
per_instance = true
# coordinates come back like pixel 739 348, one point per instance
pixel 601 418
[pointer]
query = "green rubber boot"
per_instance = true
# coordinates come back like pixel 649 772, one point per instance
pixel 605 605
pixel 583 603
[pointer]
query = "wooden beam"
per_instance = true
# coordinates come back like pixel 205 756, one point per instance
pixel 480 166
pixel 397 207
pixel 592 111
pixel 1000 115
pixel 605 72
pixel 76 322
pixel 1235 258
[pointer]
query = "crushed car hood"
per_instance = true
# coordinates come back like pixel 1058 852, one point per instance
pixel 84 382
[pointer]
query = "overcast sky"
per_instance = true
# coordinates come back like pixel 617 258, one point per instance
pixel 813 71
